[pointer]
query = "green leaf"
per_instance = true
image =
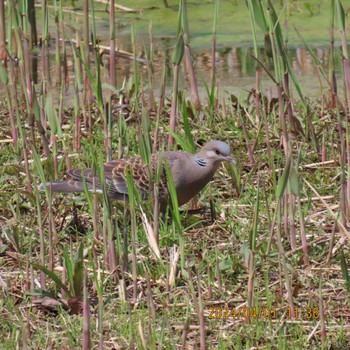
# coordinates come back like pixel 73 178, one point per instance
pixel 294 181
pixel 179 50
pixel 52 275
pixel 39 168
pixel 282 182
pixel 3 75
pixel 341 15
pixel 39 292
pixel 187 129
pixel 69 268
pixel 183 143
pixel 259 16
pixel 173 196
pixel 52 116
pixel 78 279
pixel 293 76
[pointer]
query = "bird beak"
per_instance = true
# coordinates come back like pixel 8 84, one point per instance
pixel 230 159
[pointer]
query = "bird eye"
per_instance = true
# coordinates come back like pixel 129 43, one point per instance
pixel 217 151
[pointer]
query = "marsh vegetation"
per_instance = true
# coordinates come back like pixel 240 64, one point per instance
pixel 259 259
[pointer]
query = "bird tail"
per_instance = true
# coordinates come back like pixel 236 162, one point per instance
pixel 66 186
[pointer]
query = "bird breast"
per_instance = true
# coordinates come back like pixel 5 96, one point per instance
pixel 191 181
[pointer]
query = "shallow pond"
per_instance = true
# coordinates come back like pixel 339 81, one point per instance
pixel 234 63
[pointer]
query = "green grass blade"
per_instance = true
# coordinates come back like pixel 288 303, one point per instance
pixel 52 275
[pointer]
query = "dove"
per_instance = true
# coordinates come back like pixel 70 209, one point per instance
pixel 190 173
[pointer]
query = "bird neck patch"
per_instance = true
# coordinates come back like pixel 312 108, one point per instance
pixel 200 161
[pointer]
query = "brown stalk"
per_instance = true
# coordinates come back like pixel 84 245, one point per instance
pixel 213 53
pixel 285 212
pixel 251 276
pixel 267 138
pixel 152 104
pixel 50 245
pixel 173 111
pixel 156 214
pixel 12 117
pixel 95 216
pixel 188 58
pixel 58 51
pixel 64 56
pixel 105 245
pixel 322 315
pixel 77 130
pixel 113 257
pixel 29 187
pixel 42 250
pixel 331 244
pixel 86 315
pixel 45 76
pixel 186 328
pixel 293 239
pixel 282 257
pixel 199 308
pixel 29 88
pixel 55 159
pixel 86 28
pixel 324 149
pixel 304 244
pixel 193 82
pixel 112 68
pixel 3 51
pixel 332 78
pixel 125 242
pixel 200 315
pixel 87 92
pixel 247 141
pixel 257 94
pixel 162 91
pixel 282 120
pixel 150 303
pixel 42 126
pixel 33 38
pixel 346 149
pixel 64 280
pixel 25 78
pixel 133 254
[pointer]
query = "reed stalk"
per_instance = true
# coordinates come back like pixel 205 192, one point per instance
pixel 150 56
pixel 112 42
pixel 86 344
pixel 57 46
pixel 176 59
pixel 188 57
pixel 3 53
pixel 331 69
pixel 213 45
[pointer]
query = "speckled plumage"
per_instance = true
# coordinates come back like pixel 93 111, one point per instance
pixel 190 172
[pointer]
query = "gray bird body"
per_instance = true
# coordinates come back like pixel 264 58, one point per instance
pixel 190 173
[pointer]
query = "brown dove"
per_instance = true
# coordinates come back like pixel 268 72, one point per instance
pixel 190 173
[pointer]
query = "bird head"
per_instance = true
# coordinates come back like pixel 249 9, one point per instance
pixel 217 152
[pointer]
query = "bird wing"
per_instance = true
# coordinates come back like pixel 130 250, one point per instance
pixel 143 174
